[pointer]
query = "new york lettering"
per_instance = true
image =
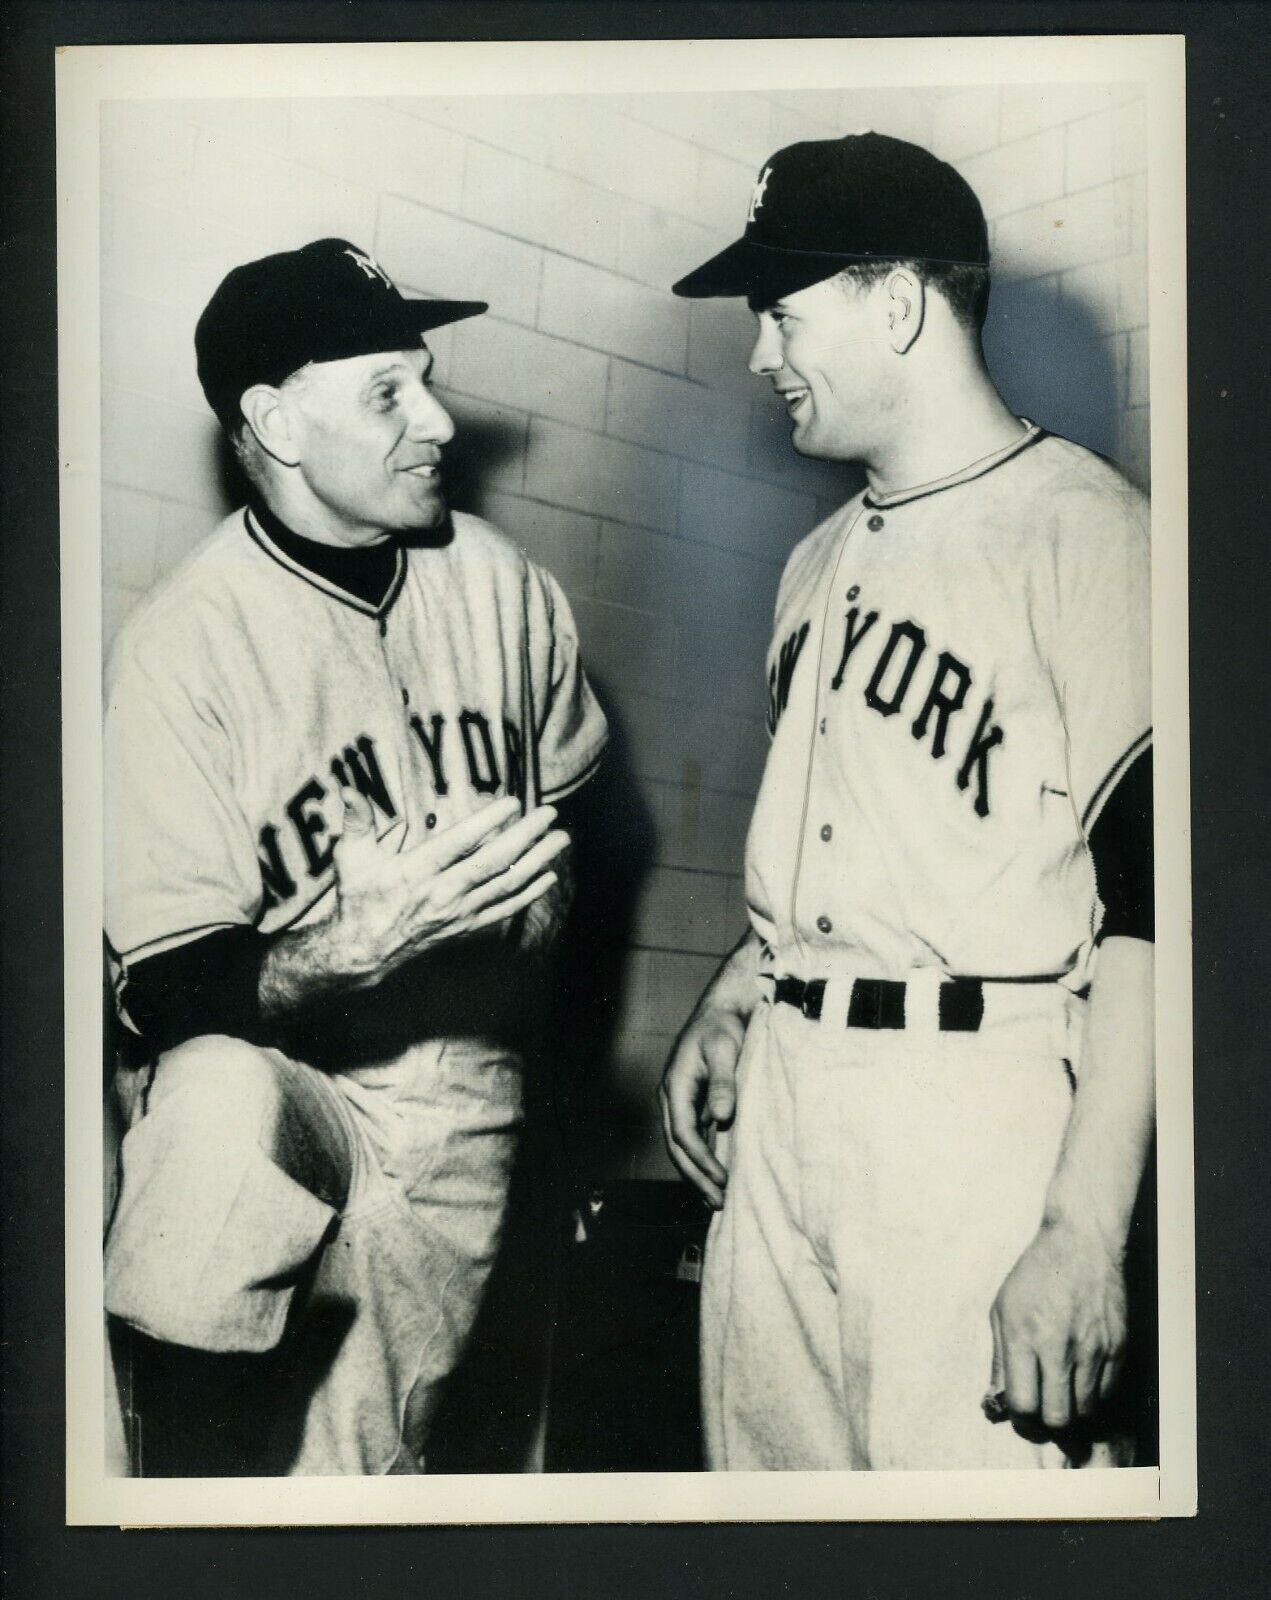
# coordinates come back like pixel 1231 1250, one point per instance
pixel 888 683
pixel 781 674
pixel 300 843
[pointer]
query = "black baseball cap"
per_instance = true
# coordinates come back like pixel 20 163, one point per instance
pixel 820 205
pixel 324 302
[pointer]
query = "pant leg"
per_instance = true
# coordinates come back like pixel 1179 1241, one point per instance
pixel 945 1162
pixel 771 1379
pixel 396 1295
pixel 229 1183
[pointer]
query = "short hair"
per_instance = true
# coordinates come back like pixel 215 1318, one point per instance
pixel 963 286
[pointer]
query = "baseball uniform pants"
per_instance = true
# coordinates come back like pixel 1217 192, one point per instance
pixel 882 1184
pixel 358 1211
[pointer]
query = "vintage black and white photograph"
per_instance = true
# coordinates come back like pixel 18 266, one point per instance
pixel 616 954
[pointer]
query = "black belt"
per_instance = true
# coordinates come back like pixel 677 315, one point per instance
pixel 880 1002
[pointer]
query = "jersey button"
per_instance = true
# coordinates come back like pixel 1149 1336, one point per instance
pixel 875 523
pixel 824 925
pixel 430 821
pixel 822 724
pixel 827 833
pixel 405 697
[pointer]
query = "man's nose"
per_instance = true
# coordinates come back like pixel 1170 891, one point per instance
pixel 765 356
pixel 429 421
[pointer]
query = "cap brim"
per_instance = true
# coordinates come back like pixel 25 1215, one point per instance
pixel 758 272
pixel 421 315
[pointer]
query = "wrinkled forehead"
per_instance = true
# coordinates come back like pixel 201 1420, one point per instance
pixel 353 373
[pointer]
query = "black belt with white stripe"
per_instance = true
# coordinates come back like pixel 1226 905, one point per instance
pixel 880 1002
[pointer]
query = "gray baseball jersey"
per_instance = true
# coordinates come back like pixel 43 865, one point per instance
pixel 958 675
pixel 245 690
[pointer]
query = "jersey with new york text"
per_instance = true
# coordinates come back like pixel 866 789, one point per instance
pixel 247 689
pixel 959 674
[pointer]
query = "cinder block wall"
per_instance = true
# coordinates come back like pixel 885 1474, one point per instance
pixel 610 428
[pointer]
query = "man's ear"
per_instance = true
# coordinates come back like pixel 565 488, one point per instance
pixel 905 297
pixel 272 421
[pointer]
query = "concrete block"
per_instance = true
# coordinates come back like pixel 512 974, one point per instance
pixel 489 446
pixel 1129 139
pixel 1029 107
pixel 427 252
pixel 790 124
pixel 675 985
pixel 589 473
pixel 532 126
pixel 743 514
pixel 1017 175
pixel 162 255
pixel 677 415
pixel 678 910
pixel 370 143
pixel 821 105
pixel 751 741
pixel 1130 214
pixel 117 602
pixel 142 344
pixel 147 152
pixel 624 645
pixel 561 541
pixel 261 124
pixel 721 660
pixel 737 124
pixel 658 247
pixel 638 161
pixel 677 579
pixel 509 364
pixel 965 123
pixel 544 207
pixel 672 741
pixel 1068 232
pixel 724 187
pixel 1089 153
pixel 614 314
pixel 772 457
pixel 182 528
pixel 280 203
pixel 130 533
pixel 721 335
pixel 162 449
pixel 702 829
pixel 901 113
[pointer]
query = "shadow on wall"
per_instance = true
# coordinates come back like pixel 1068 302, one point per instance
pixel 614 849
pixel 1052 363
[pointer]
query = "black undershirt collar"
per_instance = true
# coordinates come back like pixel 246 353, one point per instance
pixel 366 573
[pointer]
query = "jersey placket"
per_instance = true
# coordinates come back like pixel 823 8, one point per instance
pixel 406 754
pixel 819 731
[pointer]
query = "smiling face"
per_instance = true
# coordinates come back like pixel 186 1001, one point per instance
pixel 826 352
pixel 369 434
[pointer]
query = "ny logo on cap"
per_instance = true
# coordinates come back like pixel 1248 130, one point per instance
pixel 757 194
pixel 371 268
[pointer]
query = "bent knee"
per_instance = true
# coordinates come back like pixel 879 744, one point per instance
pixel 227 1085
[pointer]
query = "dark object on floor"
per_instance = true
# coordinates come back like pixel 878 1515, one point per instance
pixel 624 1391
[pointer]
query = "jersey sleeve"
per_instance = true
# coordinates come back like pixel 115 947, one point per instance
pixel 179 859
pixel 570 726
pixel 1100 654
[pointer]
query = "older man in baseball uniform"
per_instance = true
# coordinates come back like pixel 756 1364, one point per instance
pixel 929 1063
pixel 336 740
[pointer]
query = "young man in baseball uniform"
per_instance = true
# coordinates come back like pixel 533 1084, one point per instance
pixel 336 739
pixel 930 1060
